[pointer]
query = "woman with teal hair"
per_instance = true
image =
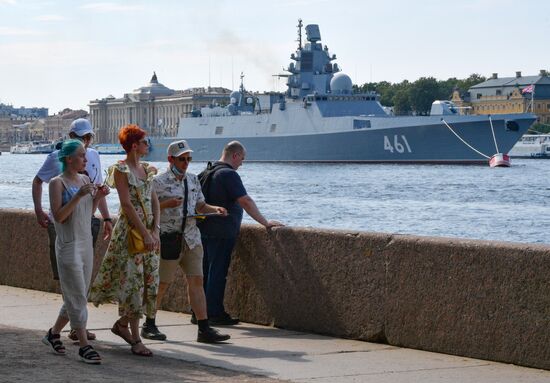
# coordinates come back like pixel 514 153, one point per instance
pixel 73 198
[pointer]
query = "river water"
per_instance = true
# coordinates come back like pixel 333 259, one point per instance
pixel 509 204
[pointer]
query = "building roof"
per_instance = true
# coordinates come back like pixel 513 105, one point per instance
pixel 505 86
pixel 154 88
pixel 520 81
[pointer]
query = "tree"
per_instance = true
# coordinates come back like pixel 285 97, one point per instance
pixel 472 80
pixel 423 92
pixel 401 101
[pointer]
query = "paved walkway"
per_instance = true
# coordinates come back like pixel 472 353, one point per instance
pixel 255 353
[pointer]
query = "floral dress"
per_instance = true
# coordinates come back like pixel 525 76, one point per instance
pixel 129 279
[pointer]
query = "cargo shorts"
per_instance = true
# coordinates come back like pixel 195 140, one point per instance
pixel 190 261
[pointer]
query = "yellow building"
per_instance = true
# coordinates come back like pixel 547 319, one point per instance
pixel 519 94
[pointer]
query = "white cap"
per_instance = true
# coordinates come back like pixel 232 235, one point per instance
pixel 177 148
pixel 81 127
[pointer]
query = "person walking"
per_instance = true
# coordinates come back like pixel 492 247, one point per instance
pixel 224 188
pixel 180 195
pixel 73 198
pixel 80 129
pixel 129 271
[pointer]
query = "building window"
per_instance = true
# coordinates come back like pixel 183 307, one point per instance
pixel 219 130
pixel 272 128
pixel 548 106
pixel 499 92
pixel 478 96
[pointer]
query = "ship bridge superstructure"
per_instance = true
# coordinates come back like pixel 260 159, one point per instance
pixel 315 78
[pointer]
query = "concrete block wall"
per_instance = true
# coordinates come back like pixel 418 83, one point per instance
pixel 481 299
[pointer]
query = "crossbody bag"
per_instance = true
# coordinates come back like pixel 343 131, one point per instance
pixel 171 243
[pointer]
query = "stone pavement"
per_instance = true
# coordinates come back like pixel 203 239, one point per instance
pixel 254 354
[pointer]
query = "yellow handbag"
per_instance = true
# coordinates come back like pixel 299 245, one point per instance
pixel 136 244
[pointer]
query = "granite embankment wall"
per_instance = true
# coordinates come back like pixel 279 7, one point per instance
pixel 480 299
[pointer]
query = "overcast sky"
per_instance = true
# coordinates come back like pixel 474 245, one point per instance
pixel 59 54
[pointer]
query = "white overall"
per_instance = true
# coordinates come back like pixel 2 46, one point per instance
pixel 74 253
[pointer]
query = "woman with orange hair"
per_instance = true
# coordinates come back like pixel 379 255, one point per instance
pixel 131 277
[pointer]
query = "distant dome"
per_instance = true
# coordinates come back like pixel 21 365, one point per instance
pixel 154 88
pixel 341 84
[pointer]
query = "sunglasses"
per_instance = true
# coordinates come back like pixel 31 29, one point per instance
pixel 86 137
pixel 183 159
pixel 144 141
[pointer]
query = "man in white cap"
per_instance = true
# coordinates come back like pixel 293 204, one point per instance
pixel 80 129
pixel 180 196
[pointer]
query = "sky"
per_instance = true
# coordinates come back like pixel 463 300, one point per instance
pixel 60 54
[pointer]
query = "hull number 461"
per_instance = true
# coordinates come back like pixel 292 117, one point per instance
pixel 400 144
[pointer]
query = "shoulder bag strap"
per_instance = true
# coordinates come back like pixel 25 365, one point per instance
pixel 142 205
pixel 185 197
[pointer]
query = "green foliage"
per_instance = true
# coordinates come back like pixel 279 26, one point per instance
pixel 538 128
pixel 417 97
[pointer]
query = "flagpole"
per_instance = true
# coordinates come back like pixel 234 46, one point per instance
pixel 533 99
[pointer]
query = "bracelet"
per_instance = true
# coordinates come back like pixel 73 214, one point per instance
pixel 107 220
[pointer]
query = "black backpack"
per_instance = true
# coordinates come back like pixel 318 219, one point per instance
pixel 206 176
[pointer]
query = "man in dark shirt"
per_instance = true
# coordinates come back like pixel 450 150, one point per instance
pixel 219 234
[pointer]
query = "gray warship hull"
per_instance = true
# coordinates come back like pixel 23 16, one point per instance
pixel 389 139
pixel 321 119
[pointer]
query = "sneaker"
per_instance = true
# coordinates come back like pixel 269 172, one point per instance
pixel 194 318
pixel 223 320
pixel 151 331
pixel 211 335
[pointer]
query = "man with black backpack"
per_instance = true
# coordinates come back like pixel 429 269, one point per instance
pixel 222 186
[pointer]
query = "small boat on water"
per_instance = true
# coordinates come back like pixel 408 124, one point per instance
pixel 109 148
pixel 20 148
pixel 532 146
pixel 34 147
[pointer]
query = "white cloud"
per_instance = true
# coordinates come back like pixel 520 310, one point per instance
pixel 8 2
pixel 111 7
pixel 9 31
pixel 49 18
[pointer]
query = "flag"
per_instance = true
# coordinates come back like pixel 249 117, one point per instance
pixel 528 89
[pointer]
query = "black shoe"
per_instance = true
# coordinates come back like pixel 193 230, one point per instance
pixel 193 318
pixel 223 320
pixel 151 331
pixel 211 335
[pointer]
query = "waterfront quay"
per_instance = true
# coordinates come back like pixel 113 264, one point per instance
pixel 411 309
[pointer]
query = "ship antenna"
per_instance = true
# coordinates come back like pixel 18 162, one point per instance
pixel 299 34
pixel 242 83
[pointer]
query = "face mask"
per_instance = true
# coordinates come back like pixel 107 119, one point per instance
pixel 176 171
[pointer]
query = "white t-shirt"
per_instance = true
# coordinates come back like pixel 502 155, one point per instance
pixel 52 167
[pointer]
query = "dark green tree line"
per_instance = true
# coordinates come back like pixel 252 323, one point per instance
pixel 417 97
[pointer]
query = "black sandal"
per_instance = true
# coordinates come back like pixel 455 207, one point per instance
pixel 145 352
pixel 89 355
pixel 116 330
pixel 89 335
pixel 53 341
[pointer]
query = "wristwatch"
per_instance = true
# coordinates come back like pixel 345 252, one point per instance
pixel 107 220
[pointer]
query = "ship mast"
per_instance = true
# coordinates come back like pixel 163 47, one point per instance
pixel 299 34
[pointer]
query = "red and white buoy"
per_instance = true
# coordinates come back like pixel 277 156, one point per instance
pixel 500 160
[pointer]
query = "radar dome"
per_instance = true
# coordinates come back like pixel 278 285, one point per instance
pixel 341 84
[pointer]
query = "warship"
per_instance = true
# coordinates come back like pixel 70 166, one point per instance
pixel 320 119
